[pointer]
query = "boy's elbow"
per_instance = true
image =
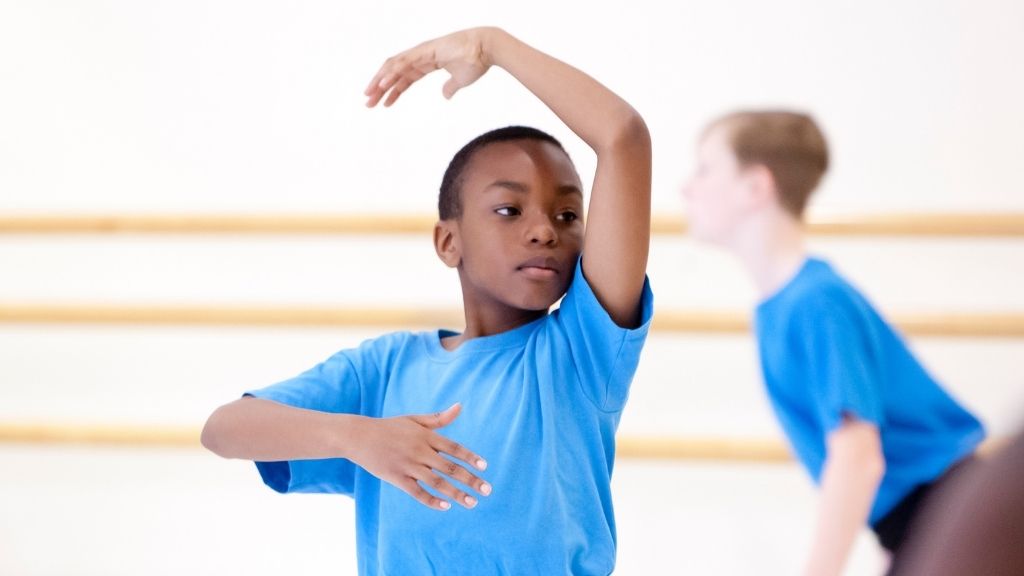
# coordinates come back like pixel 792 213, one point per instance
pixel 629 134
pixel 636 129
pixel 211 437
pixel 633 132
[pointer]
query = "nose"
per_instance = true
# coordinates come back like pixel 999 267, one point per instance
pixel 541 231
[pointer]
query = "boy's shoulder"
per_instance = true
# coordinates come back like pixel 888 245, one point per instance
pixel 384 348
pixel 815 293
pixel 396 339
pixel 815 284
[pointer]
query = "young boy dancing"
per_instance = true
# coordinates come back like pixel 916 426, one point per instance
pixel 537 394
pixel 870 425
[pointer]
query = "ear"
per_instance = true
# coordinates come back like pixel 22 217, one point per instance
pixel 761 185
pixel 446 242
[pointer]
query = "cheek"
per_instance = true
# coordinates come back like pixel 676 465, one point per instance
pixel 475 245
pixel 708 210
pixel 573 238
pixel 700 199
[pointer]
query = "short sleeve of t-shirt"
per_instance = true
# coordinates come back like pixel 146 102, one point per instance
pixel 842 360
pixel 331 386
pixel 605 354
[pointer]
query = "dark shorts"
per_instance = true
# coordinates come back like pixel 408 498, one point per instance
pixel 892 530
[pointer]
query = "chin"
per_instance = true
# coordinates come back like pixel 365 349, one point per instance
pixel 706 235
pixel 538 302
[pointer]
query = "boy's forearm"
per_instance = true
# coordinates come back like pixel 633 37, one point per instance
pixel 849 485
pixel 596 114
pixel 262 430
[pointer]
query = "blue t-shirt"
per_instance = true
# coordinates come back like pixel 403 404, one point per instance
pixel 826 353
pixel 540 403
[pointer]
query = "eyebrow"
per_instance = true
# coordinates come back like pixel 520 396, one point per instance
pixel 514 186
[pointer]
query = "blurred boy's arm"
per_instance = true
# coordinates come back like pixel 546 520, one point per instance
pixel 849 483
pixel 618 228
pixel 400 450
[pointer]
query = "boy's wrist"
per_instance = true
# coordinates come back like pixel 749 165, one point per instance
pixel 346 435
pixel 492 44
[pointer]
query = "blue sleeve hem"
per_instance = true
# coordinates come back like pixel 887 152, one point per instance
pixel 858 413
pixel 277 475
pixel 324 476
pixel 646 304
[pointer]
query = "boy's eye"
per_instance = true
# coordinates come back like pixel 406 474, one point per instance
pixel 507 211
pixel 567 216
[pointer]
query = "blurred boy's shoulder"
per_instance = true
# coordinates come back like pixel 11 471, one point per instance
pixel 816 293
pixel 815 284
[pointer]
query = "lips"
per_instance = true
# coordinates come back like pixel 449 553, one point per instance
pixel 541 267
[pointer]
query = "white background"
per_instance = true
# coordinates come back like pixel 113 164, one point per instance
pixel 257 107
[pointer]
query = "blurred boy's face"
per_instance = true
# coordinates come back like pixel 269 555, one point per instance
pixel 717 195
pixel 521 229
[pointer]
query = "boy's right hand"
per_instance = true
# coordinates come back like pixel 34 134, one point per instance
pixel 462 54
pixel 405 450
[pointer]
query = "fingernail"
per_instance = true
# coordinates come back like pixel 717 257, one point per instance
pixel 470 501
pixel 485 489
pixel 445 505
pixel 481 464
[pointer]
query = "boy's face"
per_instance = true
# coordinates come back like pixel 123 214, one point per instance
pixel 521 229
pixel 718 193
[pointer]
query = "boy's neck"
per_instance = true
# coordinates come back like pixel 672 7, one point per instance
pixel 770 246
pixel 488 321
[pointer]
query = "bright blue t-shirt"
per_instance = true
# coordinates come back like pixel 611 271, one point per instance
pixel 540 403
pixel 826 353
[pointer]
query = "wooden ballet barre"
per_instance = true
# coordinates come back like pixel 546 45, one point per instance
pixel 977 325
pixel 909 224
pixel 188 437
pixel 96 435
pixel 950 224
pixel 228 316
pixel 220 224
pixel 632 447
pixel 734 450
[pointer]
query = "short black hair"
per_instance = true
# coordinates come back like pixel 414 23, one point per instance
pixel 449 201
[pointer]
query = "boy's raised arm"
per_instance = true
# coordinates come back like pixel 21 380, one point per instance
pixel 618 229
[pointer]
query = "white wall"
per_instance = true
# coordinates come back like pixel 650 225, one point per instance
pixel 256 107
pixel 117 105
